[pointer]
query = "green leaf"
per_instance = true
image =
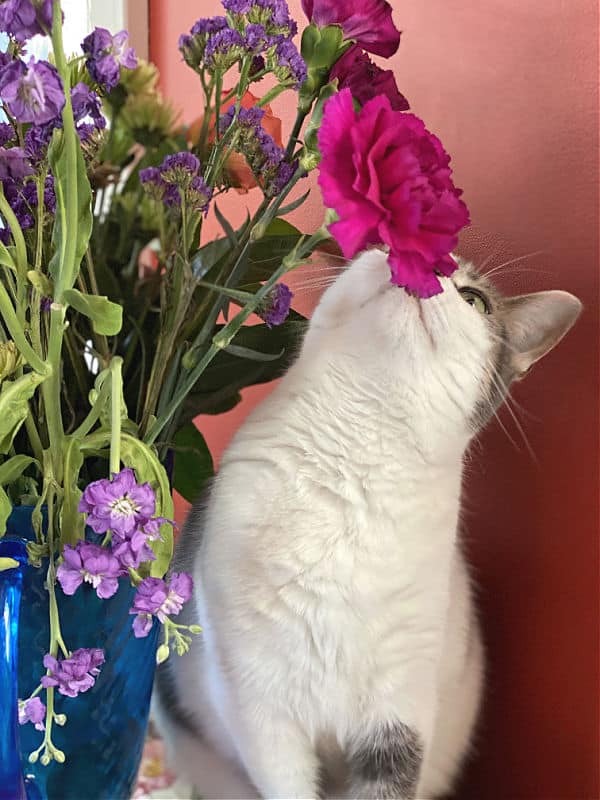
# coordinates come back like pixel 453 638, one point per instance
pixel 40 282
pixel 218 388
pixel 208 256
pixel 59 165
pixel 14 467
pixel 267 253
pixel 193 462
pixel 292 206
pixel 6 258
pixel 5 509
pixel 106 316
pixel 14 406
pixel 72 523
pixel 226 225
pixel 252 355
pixel 144 461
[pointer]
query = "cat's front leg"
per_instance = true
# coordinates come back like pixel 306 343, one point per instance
pixel 385 761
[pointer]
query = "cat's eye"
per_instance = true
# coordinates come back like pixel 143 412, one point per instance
pixel 476 299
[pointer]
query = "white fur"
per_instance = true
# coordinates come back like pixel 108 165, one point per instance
pixel 330 583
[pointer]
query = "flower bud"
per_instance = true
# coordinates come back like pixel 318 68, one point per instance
pixel 195 629
pixel 45 759
pixel 162 653
pixel 59 756
pixel 60 719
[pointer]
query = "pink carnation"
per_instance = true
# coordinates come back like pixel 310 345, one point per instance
pixel 388 179
pixel 369 22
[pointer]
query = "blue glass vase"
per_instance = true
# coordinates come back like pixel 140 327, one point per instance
pixel 103 737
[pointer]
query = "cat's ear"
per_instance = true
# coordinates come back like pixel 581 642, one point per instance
pixel 535 323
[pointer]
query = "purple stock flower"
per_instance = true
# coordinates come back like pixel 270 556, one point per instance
pixel 89 563
pixel 14 164
pixel 290 64
pixel 106 54
pixel 32 710
pixel 119 505
pixel 161 599
pixel 277 305
pixel 37 140
pixel 133 549
pixel 74 674
pixel 87 103
pixel 6 133
pixel 24 19
pixel 33 92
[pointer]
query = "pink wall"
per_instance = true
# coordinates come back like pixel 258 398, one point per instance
pixel 511 88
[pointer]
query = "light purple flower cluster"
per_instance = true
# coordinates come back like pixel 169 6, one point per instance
pixel 32 92
pixel 24 19
pixel 74 674
pixel 161 599
pixel 265 158
pixel 106 54
pixel 276 307
pixel 178 173
pixel 126 509
pixel 32 710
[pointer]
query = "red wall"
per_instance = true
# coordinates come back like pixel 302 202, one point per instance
pixel 511 88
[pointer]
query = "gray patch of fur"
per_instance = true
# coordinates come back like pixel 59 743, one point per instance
pixel 386 763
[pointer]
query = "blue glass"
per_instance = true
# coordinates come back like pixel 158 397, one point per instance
pixel 104 734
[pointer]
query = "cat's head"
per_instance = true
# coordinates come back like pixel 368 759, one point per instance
pixel 452 356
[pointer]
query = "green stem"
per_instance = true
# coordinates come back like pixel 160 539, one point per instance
pixel 67 267
pixel 41 182
pixel 300 117
pixel 94 413
pixel 18 334
pixel 115 414
pixel 21 254
pixel 51 389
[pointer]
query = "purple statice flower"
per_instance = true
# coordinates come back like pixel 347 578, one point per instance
pixel 4 233
pixel 120 505
pixel 89 563
pixel 74 674
pixel 276 306
pixel 158 598
pixel 172 197
pixel 284 173
pixel 223 49
pixel 152 182
pixel 14 164
pixel 179 168
pixel 32 92
pixel 24 19
pixel 198 194
pixel 257 66
pixel 274 14
pixel 209 25
pixel 32 710
pixel 6 133
pixel 256 37
pixel 106 54
pixel 290 64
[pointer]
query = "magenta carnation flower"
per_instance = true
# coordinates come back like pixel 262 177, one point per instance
pixel 355 71
pixel 33 92
pixel 74 674
pixel 32 710
pixel 158 598
pixel 389 181
pixel 369 22
pixel 119 505
pixel 89 563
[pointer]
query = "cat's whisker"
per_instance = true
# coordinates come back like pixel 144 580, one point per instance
pixel 512 261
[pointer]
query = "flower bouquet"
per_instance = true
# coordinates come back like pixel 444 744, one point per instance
pixel 121 323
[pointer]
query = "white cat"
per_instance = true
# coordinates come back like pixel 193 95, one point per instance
pixel 341 654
